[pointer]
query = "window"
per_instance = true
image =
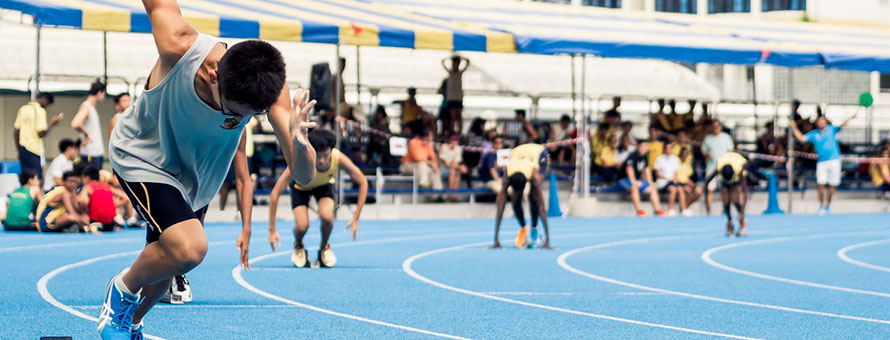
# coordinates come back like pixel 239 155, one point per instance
pixel 603 3
pixel 784 5
pixel 729 6
pixel 676 6
pixel 885 82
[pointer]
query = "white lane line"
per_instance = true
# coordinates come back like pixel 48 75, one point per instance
pixel 561 260
pixel 236 274
pixel 568 293
pixel 406 266
pixel 69 244
pixel 842 254
pixel 706 256
pixel 189 306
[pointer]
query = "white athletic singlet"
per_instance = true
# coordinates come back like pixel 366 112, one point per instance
pixel 170 136
pixel 95 147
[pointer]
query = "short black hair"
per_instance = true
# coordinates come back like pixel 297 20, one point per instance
pixel 565 118
pixel 96 87
pixel 26 175
pixel 252 72
pixel 91 172
pixel 50 98
pixel 613 114
pixel 68 174
pixel 517 181
pixel 727 172
pixel 117 98
pixel 322 139
pixel 64 144
pixel 79 167
pixel 520 112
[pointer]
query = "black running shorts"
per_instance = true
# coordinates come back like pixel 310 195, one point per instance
pixel 301 197
pixel 161 205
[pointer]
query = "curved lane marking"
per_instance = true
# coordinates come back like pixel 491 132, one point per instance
pixel 842 254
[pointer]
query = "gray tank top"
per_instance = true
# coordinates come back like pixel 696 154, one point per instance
pixel 170 136
pixel 95 147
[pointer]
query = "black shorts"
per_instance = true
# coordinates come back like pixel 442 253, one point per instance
pixel 301 197
pixel 161 205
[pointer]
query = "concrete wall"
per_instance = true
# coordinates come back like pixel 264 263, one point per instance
pixel 10 103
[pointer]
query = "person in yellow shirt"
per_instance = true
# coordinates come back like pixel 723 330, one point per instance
pixel 656 147
pixel 59 210
pixel 684 178
pixel 880 172
pixel 527 165
pixel 327 164
pixel 733 169
pixel 607 160
pixel 30 128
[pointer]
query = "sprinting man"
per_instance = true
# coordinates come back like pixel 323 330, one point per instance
pixel 328 163
pixel 527 165
pixel 172 148
pixel 733 169
pixel 59 210
pixel 828 168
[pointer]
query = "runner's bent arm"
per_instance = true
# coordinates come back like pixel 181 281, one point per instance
pixel 290 124
pixel 359 178
pixel 280 185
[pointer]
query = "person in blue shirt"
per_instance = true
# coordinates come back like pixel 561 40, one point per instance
pixel 828 169
pixel 489 172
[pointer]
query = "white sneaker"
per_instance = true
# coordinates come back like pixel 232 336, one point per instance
pixel 672 213
pixel 821 211
pixel 687 213
pixel 326 258
pixel 179 292
pixel 300 258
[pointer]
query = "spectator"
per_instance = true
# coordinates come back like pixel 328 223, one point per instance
pixel 451 157
pixel 22 201
pixel 656 146
pixel 121 103
pixel 63 162
pixel 626 146
pixel 86 121
pixel 616 103
pixel 377 143
pixel 411 112
pixel 703 127
pixel 636 177
pixel 101 201
pixel 828 169
pixel 660 119
pixel 607 161
pixel 421 161
pixel 489 172
pixel 715 145
pixel 684 178
pixel 521 129
pixel 30 128
pixel 59 210
pixel 666 168
pixel 452 122
pixel 627 130
pixel 564 154
pixel 880 171
pixel 682 122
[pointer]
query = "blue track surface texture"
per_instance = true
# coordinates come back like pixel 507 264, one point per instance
pixel 793 277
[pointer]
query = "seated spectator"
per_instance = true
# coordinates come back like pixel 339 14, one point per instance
pixel 684 177
pixel 378 151
pixel 880 172
pixel 626 146
pixel 607 161
pixel 63 162
pixel 421 161
pixel 451 157
pixel 22 201
pixel 599 140
pixel 682 141
pixel 101 200
pixel 563 154
pixel 656 146
pixel 410 110
pixel 626 130
pixel 489 172
pixel 521 129
pixel 666 167
pixel 636 177
pixel 59 210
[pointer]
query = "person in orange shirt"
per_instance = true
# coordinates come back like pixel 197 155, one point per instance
pixel 422 162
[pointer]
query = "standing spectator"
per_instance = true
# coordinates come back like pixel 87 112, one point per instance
pixel 682 122
pixel 451 157
pixel 30 128
pixel 59 210
pixel 666 168
pixel 521 129
pixel 63 162
pixel 22 202
pixel 86 121
pixel 616 103
pixel 702 127
pixel 660 119
pixel 377 143
pixel 636 177
pixel 880 171
pixel 121 103
pixel 411 112
pixel 489 172
pixel 421 161
pixel 828 169
pixel 454 95
pixel 564 154
pixel 656 146
pixel 715 146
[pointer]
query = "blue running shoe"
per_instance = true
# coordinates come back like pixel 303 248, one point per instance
pixel 534 242
pixel 116 320
pixel 136 331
